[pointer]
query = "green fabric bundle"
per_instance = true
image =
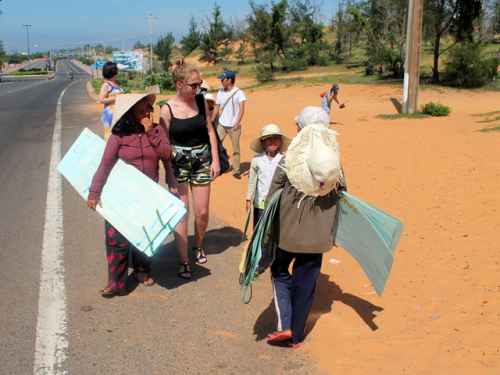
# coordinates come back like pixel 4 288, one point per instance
pixel 262 247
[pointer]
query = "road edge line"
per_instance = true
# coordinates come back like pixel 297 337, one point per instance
pixel 51 344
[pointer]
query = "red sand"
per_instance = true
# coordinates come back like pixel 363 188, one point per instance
pixel 440 176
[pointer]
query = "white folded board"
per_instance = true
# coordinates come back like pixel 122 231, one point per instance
pixel 139 208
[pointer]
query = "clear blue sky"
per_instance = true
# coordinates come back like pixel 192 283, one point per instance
pixel 71 23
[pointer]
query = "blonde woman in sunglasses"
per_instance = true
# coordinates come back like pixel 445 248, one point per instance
pixel 195 161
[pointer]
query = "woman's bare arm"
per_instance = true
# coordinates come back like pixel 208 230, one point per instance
pixel 104 95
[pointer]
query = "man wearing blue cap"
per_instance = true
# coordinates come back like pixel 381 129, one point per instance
pixel 230 107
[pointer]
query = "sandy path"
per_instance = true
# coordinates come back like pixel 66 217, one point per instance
pixel 441 177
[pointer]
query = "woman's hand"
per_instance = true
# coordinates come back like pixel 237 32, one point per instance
pixel 214 170
pixel 247 204
pixel 92 203
pixel 173 186
pixel 147 123
pixel 173 190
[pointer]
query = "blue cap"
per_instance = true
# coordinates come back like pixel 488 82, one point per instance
pixel 227 74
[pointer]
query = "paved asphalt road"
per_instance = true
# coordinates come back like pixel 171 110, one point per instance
pixel 174 327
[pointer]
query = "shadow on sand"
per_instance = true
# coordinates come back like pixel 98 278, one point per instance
pixel 244 168
pixel 327 292
pixel 165 263
pixel 397 105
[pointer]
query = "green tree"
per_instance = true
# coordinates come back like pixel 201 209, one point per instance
pixel 468 15
pixel 307 31
pixel 16 58
pixel 216 39
pixel 355 24
pixel 468 65
pixel 3 55
pixel 99 48
pixel 163 49
pixel 269 32
pixel 339 27
pixel 241 53
pixel 496 17
pixel 140 45
pixel 379 25
pixel 192 39
pixel 443 17
pixel 386 34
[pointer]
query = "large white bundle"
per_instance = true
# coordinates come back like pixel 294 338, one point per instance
pixel 313 160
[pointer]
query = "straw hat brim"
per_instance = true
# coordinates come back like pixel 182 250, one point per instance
pixel 299 152
pixel 256 144
pixel 124 102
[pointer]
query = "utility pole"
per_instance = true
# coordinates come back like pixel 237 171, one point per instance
pixel 151 19
pixel 412 63
pixel 27 27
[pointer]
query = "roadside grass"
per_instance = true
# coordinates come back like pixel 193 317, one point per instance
pixel 495 85
pixel 487 118
pixel 399 116
pixel 284 81
pixel 96 84
pixel 493 129
pixel 29 72
pixel 487 114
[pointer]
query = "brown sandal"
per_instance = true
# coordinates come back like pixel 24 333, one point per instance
pixel 110 293
pixel 143 278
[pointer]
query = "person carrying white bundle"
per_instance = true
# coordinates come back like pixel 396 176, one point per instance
pixel 311 177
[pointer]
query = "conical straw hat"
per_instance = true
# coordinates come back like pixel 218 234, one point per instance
pixel 123 103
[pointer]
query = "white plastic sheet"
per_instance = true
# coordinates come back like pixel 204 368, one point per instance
pixel 369 235
pixel 139 208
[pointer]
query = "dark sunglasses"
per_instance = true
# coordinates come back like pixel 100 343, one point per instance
pixel 195 85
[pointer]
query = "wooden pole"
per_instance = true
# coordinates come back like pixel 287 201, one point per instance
pixel 412 63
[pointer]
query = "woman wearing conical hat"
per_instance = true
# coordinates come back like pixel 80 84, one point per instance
pixel 142 144
pixel 311 177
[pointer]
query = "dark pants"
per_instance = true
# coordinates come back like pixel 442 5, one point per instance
pixel 294 294
pixel 257 213
pixel 120 254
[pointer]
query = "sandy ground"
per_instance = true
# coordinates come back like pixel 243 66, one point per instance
pixel 441 308
pixel 440 312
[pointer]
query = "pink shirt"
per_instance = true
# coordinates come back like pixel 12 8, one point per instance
pixel 142 150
